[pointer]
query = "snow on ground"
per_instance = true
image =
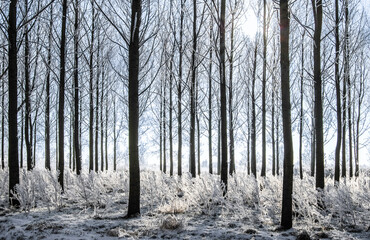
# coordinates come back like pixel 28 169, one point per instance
pixel 94 205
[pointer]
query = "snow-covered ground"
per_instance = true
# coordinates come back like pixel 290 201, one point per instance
pixel 94 205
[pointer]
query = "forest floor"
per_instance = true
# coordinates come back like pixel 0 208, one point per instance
pixel 93 207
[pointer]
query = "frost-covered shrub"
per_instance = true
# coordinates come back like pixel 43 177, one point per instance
pixel 4 178
pixel 25 190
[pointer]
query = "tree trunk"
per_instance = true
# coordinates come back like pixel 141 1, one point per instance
pixel 170 116
pixel 61 95
pixel 337 91
pixel 12 110
pixel 301 108
pixel 286 214
pixel 27 90
pixel 317 11
pixel 47 100
pixel 76 98
pixel 231 120
pixel 253 134
pixel 97 105
pixel 134 192
pixel 179 94
pixel 91 91
pixel 2 115
pixel 224 172
pixel 210 167
pixel 101 121
pixel 164 127
pixel 263 169
pixel 114 136
pixel 192 93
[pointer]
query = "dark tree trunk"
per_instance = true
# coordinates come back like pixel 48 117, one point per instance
pixel 249 133
pixel 337 91
pixel 114 136
pixel 47 100
pixel 101 122
pixel 134 193
pixel 2 115
pixel 91 91
pixel 106 132
pixel 164 127
pixel 179 94
pixel 76 99
pixel 13 105
pixel 97 106
pixel 277 147
pixel 219 146
pixel 224 172
pixel 263 169
pixel 161 128
pixel 253 130
pixel 231 120
pixel 192 93
pixel 170 116
pixel 210 167
pixel 286 214
pixel 61 95
pixel 27 90
pixel 301 109
pixel 313 144
pixel 317 11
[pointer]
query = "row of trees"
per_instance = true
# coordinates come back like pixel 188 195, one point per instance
pixel 191 60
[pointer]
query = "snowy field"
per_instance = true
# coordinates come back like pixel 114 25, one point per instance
pixel 94 205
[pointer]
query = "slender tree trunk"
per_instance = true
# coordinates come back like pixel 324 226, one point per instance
pixel 273 126
pixel 170 116
pixel 263 169
pixel 219 146
pixel 192 93
pixel 224 172
pixel 161 128
pixel 134 193
pixel 12 110
pixel 164 127
pixel 253 130
pixel 337 91
pixel 28 124
pixel 114 136
pixel 179 94
pixel 106 132
pixel 210 167
pixel 231 120
pixel 76 99
pixel 301 115
pixel 249 134
pixel 91 91
pixel 277 146
pixel 286 214
pixel 97 106
pixel 101 122
pixel 61 95
pixel 2 115
pixel 47 100
pixel 317 11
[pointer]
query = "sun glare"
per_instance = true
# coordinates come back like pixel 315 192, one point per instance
pixel 249 24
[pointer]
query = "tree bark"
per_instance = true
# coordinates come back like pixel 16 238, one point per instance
pixel 61 95
pixel 231 120
pixel 286 214
pixel 210 167
pixel 317 11
pixel 76 98
pixel 224 172
pixel 91 89
pixel 263 169
pixel 337 91
pixel 134 192
pixel 192 93
pixel 253 130
pixel 179 94
pixel 13 105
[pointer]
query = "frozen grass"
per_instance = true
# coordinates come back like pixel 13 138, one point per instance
pixel 186 206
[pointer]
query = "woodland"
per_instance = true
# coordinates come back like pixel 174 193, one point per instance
pixel 179 119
